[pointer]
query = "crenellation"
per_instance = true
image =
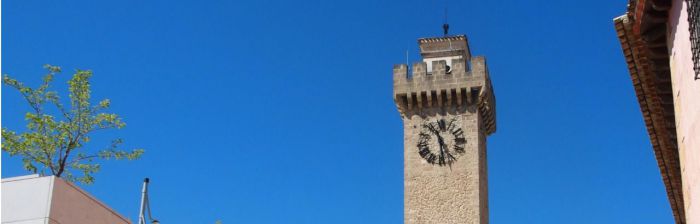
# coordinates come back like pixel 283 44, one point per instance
pixel 459 87
pixel 419 71
pixel 440 72
pixel 400 73
pixel 458 68
pixel 439 69
pixel 478 65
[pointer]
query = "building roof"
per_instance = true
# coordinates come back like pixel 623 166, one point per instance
pixel 441 39
pixel 642 34
pixel 435 47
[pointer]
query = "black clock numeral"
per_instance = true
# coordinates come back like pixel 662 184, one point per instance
pixel 458 132
pixel 460 141
pixel 431 158
pixel 423 143
pixel 441 124
pixel 423 137
pixel 424 151
pixel 459 149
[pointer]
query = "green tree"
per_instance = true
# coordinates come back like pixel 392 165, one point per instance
pixel 55 143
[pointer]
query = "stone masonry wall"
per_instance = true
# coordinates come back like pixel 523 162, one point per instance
pixel 455 193
pixel 445 194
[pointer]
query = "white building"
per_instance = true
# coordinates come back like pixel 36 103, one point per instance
pixel 49 200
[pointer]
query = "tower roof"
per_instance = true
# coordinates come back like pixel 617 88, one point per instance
pixel 432 47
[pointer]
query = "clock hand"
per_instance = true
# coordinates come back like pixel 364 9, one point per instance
pixel 442 147
pixel 440 140
pixel 432 129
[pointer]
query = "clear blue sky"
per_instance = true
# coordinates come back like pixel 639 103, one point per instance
pixel 281 111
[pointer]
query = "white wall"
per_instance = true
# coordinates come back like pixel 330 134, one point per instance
pixel 26 199
pixel 448 60
pixel 686 94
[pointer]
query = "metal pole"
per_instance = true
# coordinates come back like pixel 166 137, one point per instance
pixel 144 197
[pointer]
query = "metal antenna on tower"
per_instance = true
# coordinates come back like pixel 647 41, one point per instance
pixel 406 57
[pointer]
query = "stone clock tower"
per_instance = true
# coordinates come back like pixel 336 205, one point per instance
pixel 448 108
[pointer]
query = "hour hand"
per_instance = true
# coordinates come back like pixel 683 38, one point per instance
pixel 440 141
pixel 432 129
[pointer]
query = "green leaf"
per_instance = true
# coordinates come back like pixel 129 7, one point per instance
pixel 53 143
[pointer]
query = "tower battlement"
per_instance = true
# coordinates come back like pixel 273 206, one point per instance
pixel 447 105
pixel 460 86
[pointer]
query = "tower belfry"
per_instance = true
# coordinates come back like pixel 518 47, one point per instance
pixel 448 108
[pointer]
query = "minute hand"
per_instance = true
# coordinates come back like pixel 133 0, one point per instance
pixel 440 140
pixel 442 145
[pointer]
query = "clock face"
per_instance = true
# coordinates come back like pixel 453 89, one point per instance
pixel 441 142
